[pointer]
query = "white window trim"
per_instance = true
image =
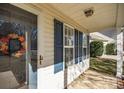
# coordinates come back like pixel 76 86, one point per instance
pixel 65 24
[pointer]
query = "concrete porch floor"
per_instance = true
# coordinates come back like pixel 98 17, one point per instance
pixel 94 80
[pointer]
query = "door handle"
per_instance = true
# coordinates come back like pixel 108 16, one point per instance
pixel 40 59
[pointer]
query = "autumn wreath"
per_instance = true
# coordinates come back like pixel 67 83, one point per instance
pixel 4 44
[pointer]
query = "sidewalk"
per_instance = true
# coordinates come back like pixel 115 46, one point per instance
pixel 110 57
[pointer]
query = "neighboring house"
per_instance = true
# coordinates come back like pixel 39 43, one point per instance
pixel 46 46
pixel 105 36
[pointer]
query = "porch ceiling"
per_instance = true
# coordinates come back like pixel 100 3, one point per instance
pixel 104 15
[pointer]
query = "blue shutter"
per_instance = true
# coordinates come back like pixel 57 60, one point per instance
pixel 58 46
pixel 80 46
pixel 76 46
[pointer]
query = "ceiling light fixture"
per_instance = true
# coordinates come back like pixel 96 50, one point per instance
pixel 89 12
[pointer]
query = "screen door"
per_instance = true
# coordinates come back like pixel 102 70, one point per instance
pixel 18 48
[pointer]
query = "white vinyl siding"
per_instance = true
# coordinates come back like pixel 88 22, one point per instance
pixel 47 79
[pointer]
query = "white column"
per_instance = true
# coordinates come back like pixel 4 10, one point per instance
pixel 119 51
pixel 104 48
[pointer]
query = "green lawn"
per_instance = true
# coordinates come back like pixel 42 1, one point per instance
pixel 107 66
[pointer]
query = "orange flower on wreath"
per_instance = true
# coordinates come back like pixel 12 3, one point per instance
pixel 21 38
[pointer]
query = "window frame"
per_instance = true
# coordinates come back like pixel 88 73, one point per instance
pixel 68 46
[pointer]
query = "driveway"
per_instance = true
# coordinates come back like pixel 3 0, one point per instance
pixel 94 80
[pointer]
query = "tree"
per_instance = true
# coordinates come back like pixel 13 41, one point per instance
pixel 111 49
pixel 96 48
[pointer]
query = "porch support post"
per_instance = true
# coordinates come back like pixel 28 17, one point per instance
pixel 119 52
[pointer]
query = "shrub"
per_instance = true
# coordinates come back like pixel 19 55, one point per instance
pixel 96 48
pixel 111 49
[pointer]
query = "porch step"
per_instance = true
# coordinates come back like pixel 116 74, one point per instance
pixel 120 82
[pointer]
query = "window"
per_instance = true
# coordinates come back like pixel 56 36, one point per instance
pixel 68 45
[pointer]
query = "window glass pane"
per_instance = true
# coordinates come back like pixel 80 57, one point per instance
pixel 68 36
pixel 68 56
pixel 66 33
pixel 84 40
pixel 84 53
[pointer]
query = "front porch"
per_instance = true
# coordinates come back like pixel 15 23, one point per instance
pixel 100 75
pixel 63 43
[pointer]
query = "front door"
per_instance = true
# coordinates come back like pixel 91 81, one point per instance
pixel 18 47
